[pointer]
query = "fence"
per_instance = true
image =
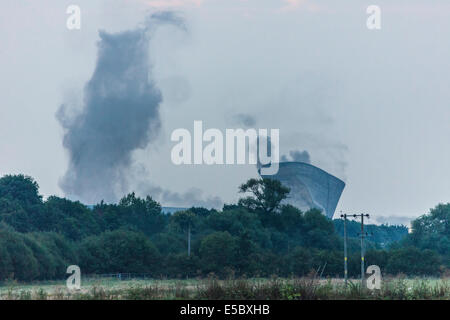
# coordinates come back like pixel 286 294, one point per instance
pixel 121 276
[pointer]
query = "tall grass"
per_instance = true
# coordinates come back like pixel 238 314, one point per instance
pixel 307 288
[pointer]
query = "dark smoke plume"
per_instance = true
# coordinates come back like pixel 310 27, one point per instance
pixel 120 114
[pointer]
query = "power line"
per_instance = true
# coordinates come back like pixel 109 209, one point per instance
pixel 362 236
pixel 345 248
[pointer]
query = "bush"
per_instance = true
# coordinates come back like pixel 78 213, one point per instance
pixel 218 251
pixel 413 261
pixel 18 261
pixel 119 251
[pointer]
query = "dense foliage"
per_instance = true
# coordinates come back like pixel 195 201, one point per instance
pixel 256 237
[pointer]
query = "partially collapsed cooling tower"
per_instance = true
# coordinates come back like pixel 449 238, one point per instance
pixel 310 186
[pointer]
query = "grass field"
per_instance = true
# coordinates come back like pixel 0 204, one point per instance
pixel 286 289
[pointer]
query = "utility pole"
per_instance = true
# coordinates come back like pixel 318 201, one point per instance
pixel 345 248
pixel 363 235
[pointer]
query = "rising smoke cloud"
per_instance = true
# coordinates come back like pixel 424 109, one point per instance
pixel 246 120
pixel 120 114
pixel 297 156
pixel 194 197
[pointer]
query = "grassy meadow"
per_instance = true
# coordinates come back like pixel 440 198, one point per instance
pixel 308 288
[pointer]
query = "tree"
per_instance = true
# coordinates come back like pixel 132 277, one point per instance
pixel 301 261
pixel 20 203
pixel 247 258
pixel 436 222
pixel 413 261
pixel 266 194
pixel 185 219
pixel 119 251
pixel 71 218
pixel 143 214
pixel 432 231
pixel 20 261
pixel 21 188
pixel 218 252
pixel 257 237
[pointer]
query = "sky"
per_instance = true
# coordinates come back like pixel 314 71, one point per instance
pixel 369 106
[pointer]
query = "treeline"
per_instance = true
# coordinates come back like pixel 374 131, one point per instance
pixel 383 235
pixel 255 237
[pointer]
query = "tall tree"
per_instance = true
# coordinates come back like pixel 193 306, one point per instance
pixel 266 194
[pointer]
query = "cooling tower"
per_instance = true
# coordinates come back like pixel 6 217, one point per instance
pixel 310 186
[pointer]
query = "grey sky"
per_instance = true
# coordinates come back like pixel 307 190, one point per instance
pixel 371 107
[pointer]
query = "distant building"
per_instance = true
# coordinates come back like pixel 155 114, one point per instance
pixel 310 186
